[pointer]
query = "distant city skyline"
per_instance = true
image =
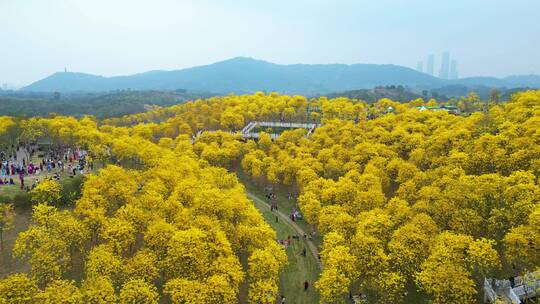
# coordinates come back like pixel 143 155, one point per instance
pixel 447 70
pixel 124 37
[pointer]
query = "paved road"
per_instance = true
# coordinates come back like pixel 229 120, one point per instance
pixel 260 203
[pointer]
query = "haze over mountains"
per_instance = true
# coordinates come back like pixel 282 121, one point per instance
pixel 245 75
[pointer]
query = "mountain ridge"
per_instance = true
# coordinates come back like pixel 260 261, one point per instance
pixel 247 75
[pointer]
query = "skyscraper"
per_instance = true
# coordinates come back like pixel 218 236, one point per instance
pixel 420 66
pixel 445 65
pixel 430 65
pixel 453 70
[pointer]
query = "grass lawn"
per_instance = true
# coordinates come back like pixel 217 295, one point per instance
pixel 285 205
pixel 8 264
pixel 9 191
pixel 298 269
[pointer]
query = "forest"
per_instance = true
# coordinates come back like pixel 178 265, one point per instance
pixel 100 105
pixel 412 204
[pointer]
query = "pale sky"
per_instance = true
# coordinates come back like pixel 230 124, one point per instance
pixel 120 37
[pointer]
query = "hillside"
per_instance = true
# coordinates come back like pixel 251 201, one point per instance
pixel 243 75
pixel 101 105
pixel 509 82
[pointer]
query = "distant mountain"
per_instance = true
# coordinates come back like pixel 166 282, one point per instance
pixel 246 75
pixel 508 82
pixel 66 82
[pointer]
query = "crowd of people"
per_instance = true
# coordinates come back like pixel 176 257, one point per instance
pixel 20 163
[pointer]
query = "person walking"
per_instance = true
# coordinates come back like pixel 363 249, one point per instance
pixel 282 299
pixel 306 285
pixel 21 178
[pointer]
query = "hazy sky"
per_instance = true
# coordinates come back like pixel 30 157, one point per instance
pixel 117 37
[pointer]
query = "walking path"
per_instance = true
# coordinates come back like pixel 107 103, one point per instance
pixel 260 203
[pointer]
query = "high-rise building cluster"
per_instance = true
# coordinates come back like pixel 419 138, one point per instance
pixel 448 68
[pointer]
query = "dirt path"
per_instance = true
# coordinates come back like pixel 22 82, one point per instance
pixel 260 203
